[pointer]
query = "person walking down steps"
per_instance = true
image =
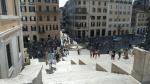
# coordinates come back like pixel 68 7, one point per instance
pixel 78 50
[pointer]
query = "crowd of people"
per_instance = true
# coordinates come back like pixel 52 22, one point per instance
pixel 94 53
pixel 52 49
pixel 38 49
pixel 122 52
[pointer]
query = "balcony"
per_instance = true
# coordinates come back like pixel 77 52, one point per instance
pixel 81 12
pixel 47 11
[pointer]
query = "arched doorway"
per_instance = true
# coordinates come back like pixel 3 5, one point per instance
pixel 126 32
pixel 92 33
pixel 79 34
pixel 103 32
pixel 141 31
pixel 35 38
pixel 25 39
pixel 109 33
pixel 138 31
pixel 122 32
pixel 114 32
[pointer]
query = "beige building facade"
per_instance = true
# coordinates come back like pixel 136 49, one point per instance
pixel 11 40
pixel 40 19
pixel 96 18
pixel 141 22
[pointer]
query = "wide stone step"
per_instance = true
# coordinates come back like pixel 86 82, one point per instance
pixel 74 68
pixel 89 77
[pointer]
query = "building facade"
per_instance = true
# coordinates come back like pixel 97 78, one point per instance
pixel 96 18
pixel 141 22
pixel 11 40
pixel 140 16
pixel 40 19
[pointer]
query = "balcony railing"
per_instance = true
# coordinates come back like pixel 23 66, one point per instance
pixel 47 11
pixel 81 12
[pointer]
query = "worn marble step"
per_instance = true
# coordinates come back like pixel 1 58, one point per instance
pixel 89 77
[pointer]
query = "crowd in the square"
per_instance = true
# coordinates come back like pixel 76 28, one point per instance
pixel 38 49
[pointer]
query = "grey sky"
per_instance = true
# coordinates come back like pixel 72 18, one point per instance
pixel 62 2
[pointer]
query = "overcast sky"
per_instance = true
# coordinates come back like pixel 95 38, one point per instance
pixel 62 2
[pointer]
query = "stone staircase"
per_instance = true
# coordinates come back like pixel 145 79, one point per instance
pixel 85 70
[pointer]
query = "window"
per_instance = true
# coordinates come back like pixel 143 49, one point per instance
pixel 54 8
pixel 54 1
pixel 47 8
pixel 40 9
pixel 50 28
pixel 32 18
pixel 103 32
pixel 93 3
pixel 99 3
pixel 33 28
pixel 23 8
pixel 19 44
pixel 109 33
pixel 8 50
pixel 98 17
pixel 55 18
pixel 120 12
pixel 22 1
pixel 97 32
pixel 3 7
pixel 79 2
pixel 56 27
pixel 104 17
pixel 110 12
pixel 110 26
pixel 53 27
pixel 111 0
pixel 104 3
pixel 31 1
pixel 103 24
pixel 46 28
pixel 104 10
pixel 98 24
pixel 99 10
pixel 92 17
pixel 40 18
pixel 48 1
pixel 25 28
pixel 31 9
pixel 92 24
pixel 84 2
pixel 48 18
pixel 93 10
pixel 83 17
pixel 24 18
pixel 92 33
pixel 110 19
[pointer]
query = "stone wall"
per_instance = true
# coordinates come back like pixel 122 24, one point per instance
pixel 141 66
